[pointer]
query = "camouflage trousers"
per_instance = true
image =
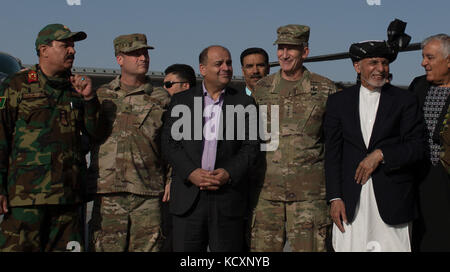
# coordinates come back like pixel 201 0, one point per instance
pixel 125 222
pixel 42 228
pixel 305 224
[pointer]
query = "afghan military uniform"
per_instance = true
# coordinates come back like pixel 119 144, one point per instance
pixel 293 191
pixel 41 163
pixel 128 172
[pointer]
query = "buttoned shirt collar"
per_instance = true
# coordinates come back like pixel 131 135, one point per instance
pixel 247 91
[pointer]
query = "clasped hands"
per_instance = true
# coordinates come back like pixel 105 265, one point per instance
pixel 209 180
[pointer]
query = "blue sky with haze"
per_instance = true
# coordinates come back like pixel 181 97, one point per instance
pixel 179 30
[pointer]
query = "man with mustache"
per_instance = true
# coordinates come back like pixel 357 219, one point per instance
pixel 292 201
pixel 127 173
pixel 208 193
pixel 255 65
pixel 43 112
pixel 373 137
pixel 430 231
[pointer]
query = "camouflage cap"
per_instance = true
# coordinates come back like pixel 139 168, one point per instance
pixel 57 32
pixel 130 42
pixel 292 34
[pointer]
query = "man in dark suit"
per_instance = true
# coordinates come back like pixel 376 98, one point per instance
pixel 178 78
pixel 373 135
pixel 210 158
pixel 431 229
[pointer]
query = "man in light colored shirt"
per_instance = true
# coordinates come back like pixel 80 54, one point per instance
pixel 255 65
pixel 373 136
pixel 209 187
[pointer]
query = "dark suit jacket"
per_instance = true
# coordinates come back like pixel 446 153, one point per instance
pixel 185 155
pixel 398 132
pixel 420 86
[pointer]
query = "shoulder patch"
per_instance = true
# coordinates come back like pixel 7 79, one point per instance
pixel 2 101
pixel 105 91
pixel 32 76
pixel 322 83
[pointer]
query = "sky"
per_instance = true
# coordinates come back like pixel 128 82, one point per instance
pixel 179 30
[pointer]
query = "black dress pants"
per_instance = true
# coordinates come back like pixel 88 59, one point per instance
pixel 203 225
pixel 431 231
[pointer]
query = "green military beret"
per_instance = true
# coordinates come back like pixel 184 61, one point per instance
pixel 292 34
pixel 57 32
pixel 130 42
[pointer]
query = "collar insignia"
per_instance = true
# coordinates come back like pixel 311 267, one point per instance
pixel 32 76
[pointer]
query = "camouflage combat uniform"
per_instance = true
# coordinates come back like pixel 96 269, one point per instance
pixel 294 185
pixel 41 163
pixel 128 172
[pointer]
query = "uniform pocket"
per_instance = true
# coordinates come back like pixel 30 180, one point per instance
pixel 31 175
pixel 141 113
pixel 35 112
pixel 37 118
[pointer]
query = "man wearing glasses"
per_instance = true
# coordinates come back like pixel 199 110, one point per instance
pixel 126 168
pixel 179 77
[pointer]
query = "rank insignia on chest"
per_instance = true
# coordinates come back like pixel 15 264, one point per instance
pixel 32 76
pixel 2 102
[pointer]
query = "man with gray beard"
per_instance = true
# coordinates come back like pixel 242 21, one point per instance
pixel 373 137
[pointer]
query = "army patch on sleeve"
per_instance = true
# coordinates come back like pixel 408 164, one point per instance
pixel 2 101
pixel 32 76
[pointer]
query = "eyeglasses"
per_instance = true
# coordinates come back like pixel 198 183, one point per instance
pixel 169 84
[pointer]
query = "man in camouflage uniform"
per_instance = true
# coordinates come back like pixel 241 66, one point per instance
pixel 43 111
pixel 292 201
pixel 128 172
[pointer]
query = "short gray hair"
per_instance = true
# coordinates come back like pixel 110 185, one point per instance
pixel 444 39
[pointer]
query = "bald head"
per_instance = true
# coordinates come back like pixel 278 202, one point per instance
pixel 203 57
